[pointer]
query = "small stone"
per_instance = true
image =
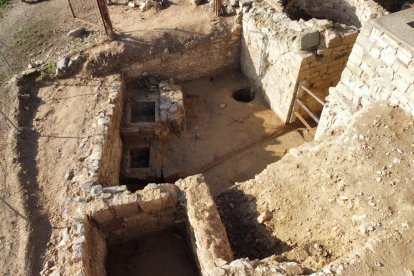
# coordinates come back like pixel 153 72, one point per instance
pixel 132 4
pixel 106 195
pixel 343 198
pixel 87 185
pixel 220 262
pixel 222 106
pixel 267 215
pixel 379 264
pixel 318 246
pixel 69 175
pixel 295 152
pixel 76 32
pixel 96 190
pixel 114 190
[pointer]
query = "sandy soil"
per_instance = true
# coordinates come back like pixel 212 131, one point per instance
pixel 38 32
pixel 350 193
pixel 15 226
pixel 227 144
pixel 182 18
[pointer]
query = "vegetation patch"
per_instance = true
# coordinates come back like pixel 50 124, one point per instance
pixel 4 2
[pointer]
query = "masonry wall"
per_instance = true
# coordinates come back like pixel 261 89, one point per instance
pixel 276 63
pixel 94 249
pixel 209 57
pixel 380 68
pixel 110 124
pixel 323 70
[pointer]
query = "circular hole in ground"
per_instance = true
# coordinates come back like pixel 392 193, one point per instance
pixel 244 95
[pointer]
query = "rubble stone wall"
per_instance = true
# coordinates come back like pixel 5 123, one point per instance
pixel 207 58
pixel 111 146
pixel 380 68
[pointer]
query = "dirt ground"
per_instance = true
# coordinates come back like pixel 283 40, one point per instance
pixel 349 195
pixel 226 140
pixel 15 226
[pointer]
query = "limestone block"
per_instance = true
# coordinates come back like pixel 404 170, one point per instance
pixel 101 212
pixel 308 40
pixel 125 205
pixel 332 39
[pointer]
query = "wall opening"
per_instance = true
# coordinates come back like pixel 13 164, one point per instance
pixel 142 112
pixel 139 157
pixel 166 252
pixel 339 12
pixel 245 95
pixel 395 5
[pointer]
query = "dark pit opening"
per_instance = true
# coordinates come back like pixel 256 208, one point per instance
pixel 142 112
pixel 162 253
pixel 135 184
pixel 247 237
pixel 411 24
pixel 243 95
pixel 140 157
pixel 308 9
pixel 394 5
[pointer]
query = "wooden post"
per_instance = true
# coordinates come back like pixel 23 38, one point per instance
pixel 103 9
pixel 217 7
pixel 71 9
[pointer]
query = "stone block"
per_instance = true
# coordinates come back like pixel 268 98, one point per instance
pixel 125 205
pixel 405 56
pixel 308 40
pixel 332 39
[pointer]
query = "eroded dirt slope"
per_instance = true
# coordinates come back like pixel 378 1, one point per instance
pixel 335 198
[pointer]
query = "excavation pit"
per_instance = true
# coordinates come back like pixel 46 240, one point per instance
pixel 161 230
pixel 244 95
pixel 142 112
pixel 393 5
pixel 166 253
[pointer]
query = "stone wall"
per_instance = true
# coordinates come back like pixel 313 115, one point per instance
pixel 206 58
pixel 323 70
pixel 108 161
pixel 94 249
pixel 380 68
pixel 274 46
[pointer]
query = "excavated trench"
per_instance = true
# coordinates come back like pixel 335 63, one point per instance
pixel 220 126
pixel 166 252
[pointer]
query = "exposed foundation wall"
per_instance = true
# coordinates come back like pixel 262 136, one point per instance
pixel 94 249
pixel 323 70
pixel 110 122
pixel 380 68
pixel 209 237
pixel 276 57
pixel 206 58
